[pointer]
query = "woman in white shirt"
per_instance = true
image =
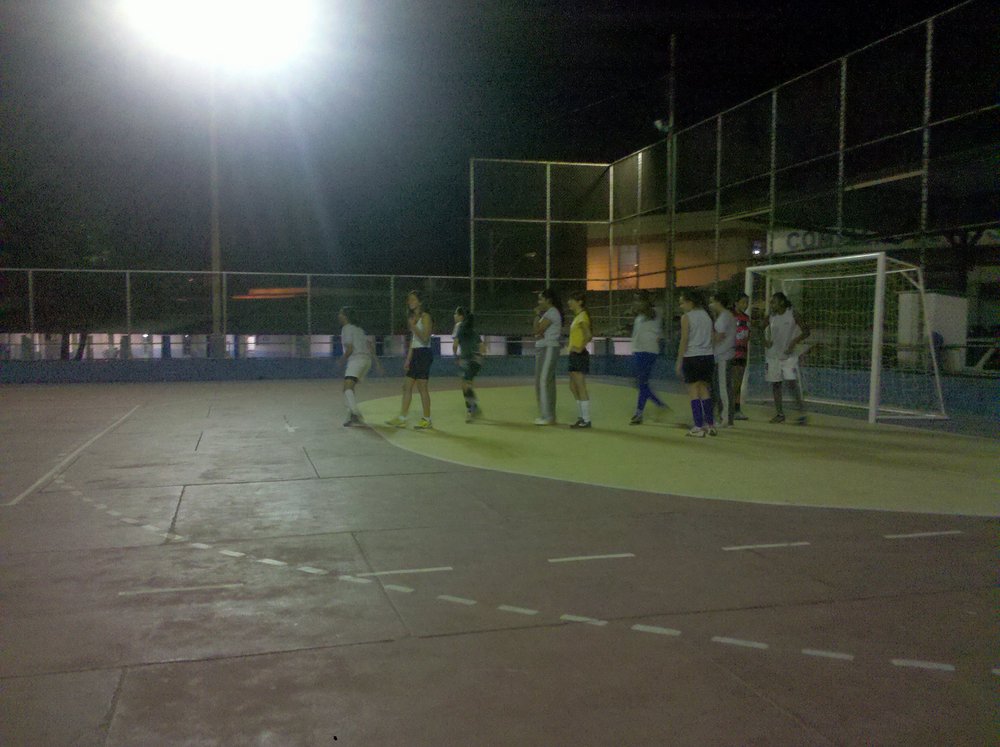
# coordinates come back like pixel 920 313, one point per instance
pixel 417 366
pixel 696 362
pixel 359 354
pixel 645 347
pixel 547 328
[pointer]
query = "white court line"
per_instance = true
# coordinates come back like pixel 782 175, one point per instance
pixel 151 528
pixel 767 546
pixel 232 553
pixel 177 589
pixel 101 506
pixel 921 534
pixel 655 629
pixel 116 514
pixel 517 610
pixel 310 569
pixel 580 619
pixel 457 600
pixel 827 654
pixel 396 587
pixel 172 536
pixel 127 520
pixel 271 561
pixel 739 642
pixel 200 546
pixel 410 570
pixel 77 493
pixel 917 664
pixel 592 557
pixel 62 465
pixel 356 580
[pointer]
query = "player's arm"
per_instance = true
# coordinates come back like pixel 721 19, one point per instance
pixel 682 347
pixel 427 328
pixel 375 360
pixel 803 331
pixel 541 324
pixel 587 336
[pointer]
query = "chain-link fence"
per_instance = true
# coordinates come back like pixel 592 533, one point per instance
pixel 892 147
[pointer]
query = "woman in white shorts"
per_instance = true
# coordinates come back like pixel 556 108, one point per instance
pixel 785 330
pixel 359 354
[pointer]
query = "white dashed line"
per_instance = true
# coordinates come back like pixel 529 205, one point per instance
pixel 915 535
pixel 580 619
pixel 137 592
pixel 767 546
pixel 77 493
pixel 200 546
pixel 356 580
pixel 173 537
pixel 407 570
pixel 592 557
pixel 655 629
pixel 517 610
pixel 133 522
pixel 151 528
pixel 271 561
pixel 310 569
pixel 396 587
pixel 827 654
pixel 457 600
pixel 232 553
pixel 917 664
pixel 739 642
pixel 116 514
pixel 101 506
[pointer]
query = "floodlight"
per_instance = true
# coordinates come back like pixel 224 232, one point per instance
pixel 245 34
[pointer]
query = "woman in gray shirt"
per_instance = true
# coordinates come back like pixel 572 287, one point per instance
pixel 547 328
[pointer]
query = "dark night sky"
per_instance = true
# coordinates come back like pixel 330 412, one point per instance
pixel 359 162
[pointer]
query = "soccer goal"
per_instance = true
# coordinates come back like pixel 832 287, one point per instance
pixel 870 343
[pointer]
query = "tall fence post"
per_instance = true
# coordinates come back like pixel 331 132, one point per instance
pixel 309 307
pixel 392 304
pixel 718 195
pixel 925 160
pixel 472 234
pixel 31 302
pixel 128 302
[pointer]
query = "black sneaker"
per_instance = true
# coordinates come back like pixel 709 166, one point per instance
pixel 801 420
pixel 581 423
pixel 636 420
pixel 779 418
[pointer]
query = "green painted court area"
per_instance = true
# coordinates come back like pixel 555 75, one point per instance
pixel 833 461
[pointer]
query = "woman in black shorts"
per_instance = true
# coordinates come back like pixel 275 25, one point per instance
pixel 417 367
pixel 696 361
pixel 579 359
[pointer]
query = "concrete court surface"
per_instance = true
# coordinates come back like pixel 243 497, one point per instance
pixel 224 564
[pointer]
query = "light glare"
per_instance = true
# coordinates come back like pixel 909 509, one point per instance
pixel 256 34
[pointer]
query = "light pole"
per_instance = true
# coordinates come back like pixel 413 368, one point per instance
pixel 224 35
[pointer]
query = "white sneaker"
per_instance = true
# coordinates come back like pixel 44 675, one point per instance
pixel 696 432
pixel 399 421
pixel 543 421
pixel 423 424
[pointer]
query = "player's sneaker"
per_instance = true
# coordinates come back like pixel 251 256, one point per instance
pixel 399 421
pixel 581 423
pixel 712 431
pixel 544 421
pixel 352 419
pixel 423 424
pixel 801 420
pixel 696 432
pixel 636 420
pixel 779 418
pixel 468 416
pixel 739 416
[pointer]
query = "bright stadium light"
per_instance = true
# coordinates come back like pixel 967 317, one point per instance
pixel 242 34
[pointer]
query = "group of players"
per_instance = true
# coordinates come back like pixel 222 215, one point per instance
pixel 711 359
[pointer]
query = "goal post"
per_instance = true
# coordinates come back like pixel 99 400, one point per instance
pixel 870 344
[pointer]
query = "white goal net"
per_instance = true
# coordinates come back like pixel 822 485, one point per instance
pixel 869 345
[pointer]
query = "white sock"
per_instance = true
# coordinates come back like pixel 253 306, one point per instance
pixel 351 400
pixel 585 409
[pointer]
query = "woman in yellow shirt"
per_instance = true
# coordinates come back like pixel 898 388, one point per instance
pixel 579 359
